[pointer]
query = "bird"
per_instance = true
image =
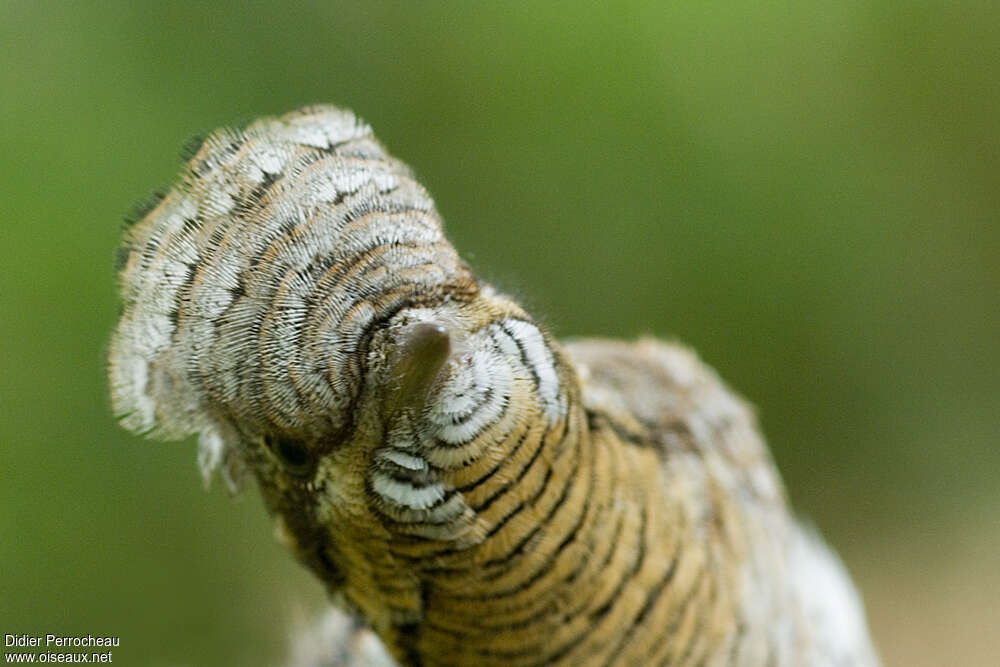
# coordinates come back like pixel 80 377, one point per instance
pixel 468 489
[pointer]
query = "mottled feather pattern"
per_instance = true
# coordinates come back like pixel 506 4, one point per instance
pixel 475 492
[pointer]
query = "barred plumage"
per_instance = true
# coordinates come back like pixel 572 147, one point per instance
pixel 477 493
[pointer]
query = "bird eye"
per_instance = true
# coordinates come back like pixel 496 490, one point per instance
pixel 293 455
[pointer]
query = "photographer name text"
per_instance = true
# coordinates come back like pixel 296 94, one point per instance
pixel 56 640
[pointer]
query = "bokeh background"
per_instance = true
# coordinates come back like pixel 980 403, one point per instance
pixel 807 194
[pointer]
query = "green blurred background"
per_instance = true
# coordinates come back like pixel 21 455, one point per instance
pixel 807 194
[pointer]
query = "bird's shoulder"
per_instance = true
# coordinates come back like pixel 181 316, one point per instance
pixel 661 395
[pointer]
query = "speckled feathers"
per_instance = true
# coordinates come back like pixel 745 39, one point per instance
pixel 249 289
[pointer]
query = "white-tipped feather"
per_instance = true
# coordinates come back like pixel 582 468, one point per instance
pixel 405 494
